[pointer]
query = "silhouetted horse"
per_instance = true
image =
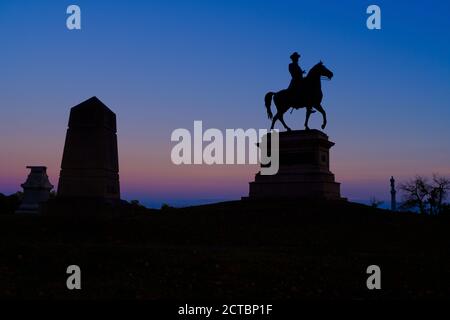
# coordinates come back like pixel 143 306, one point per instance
pixel 310 96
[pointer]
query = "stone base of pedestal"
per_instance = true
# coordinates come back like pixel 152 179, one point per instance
pixel 302 188
pixel 303 170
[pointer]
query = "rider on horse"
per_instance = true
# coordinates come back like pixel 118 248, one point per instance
pixel 296 73
pixel 295 86
pixel 308 96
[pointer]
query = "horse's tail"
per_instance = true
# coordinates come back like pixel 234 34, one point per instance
pixel 268 101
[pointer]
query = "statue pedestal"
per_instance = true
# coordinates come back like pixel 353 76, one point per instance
pixel 304 170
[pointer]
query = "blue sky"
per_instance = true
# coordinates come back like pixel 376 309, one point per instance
pixel 160 65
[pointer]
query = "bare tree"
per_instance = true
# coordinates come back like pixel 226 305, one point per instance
pixel 440 190
pixel 427 196
pixel 415 194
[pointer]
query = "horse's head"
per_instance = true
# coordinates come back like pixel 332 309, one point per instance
pixel 320 70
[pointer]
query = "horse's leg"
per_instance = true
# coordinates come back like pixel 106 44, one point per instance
pixel 277 115
pixel 324 115
pixel 284 123
pixel 308 114
pixel 275 118
pixel 281 102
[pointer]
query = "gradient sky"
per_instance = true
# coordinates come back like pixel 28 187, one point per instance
pixel 160 65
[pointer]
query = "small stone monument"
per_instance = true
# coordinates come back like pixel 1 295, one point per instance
pixel 36 190
pixel 304 170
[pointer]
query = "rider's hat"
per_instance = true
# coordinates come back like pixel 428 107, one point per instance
pixel 295 55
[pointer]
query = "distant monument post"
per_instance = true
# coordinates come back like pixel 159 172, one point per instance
pixel 304 170
pixel 393 195
pixel 36 190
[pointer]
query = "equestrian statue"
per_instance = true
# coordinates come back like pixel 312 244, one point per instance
pixel 303 92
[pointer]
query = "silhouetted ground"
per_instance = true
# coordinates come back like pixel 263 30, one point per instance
pixel 313 250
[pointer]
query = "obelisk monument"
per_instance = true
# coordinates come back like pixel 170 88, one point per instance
pixel 90 166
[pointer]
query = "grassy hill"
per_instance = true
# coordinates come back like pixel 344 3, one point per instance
pixel 241 249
